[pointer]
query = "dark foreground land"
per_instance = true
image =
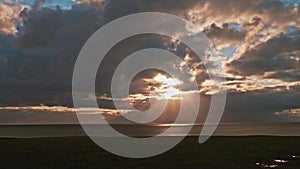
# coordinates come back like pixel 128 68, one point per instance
pixel 218 153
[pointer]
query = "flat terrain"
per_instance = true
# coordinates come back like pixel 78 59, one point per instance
pixel 218 153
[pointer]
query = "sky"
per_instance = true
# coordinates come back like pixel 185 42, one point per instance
pixel 257 42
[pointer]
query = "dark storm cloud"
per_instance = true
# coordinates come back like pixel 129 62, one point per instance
pixel 286 75
pixel 117 8
pixel 224 33
pixel 279 56
pixel 261 106
pixel 37 63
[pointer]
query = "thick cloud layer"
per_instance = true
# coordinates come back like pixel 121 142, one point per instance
pixel 258 42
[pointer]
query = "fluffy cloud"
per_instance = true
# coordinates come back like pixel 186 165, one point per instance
pixel 9 14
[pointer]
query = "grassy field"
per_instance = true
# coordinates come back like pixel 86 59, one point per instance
pixel 218 153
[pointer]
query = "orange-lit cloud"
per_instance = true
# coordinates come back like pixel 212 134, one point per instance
pixel 62 109
pixel 289 113
pixel 9 14
pixel 256 22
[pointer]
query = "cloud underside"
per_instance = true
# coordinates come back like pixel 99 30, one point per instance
pixel 257 42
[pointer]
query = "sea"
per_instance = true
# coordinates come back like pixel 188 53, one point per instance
pixel 133 130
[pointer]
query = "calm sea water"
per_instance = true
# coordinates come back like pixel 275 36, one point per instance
pixel 227 129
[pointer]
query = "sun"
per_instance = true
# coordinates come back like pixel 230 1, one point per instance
pixel 170 93
pixel 168 88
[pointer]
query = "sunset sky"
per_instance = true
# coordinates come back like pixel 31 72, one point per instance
pixel 257 42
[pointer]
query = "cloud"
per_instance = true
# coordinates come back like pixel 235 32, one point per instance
pixel 89 1
pixel 54 114
pixel 290 113
pixel 258 106
pixel 62 109
pixel 224 33
pixel 9 15
pixel 274 63
pixel 276 54
pixel 39 47
pixel 37 62
pixel 259 21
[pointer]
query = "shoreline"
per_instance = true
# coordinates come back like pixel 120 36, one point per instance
pixel 188 136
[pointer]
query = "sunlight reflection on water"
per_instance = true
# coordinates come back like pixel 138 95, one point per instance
pixel 277 163
pixel 281 161
pixel 267 165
